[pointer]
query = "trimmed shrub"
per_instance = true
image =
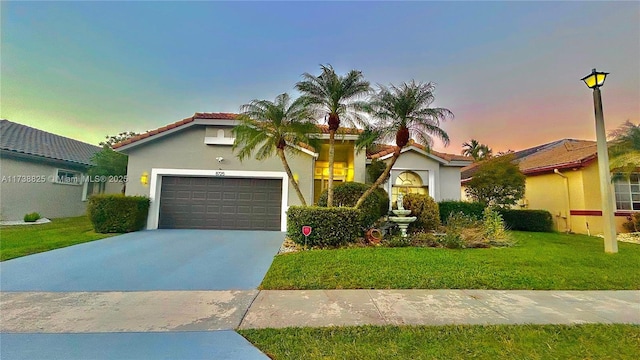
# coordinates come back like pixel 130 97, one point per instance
pixel 527 220
pixel 118 213
pixel 347 195
pixel 425 209
pixel 631 225
pixel 383 201
pixel 330 226
pixel 33 217
pixel 472 209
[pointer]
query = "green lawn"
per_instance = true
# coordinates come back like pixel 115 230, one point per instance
pixel 590 341
pixel 540 261
pixel 16 241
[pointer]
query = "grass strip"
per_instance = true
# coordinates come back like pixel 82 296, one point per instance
pixel 587 341
pixel 22 240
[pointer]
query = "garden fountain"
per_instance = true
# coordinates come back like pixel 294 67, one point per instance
pixel 401 217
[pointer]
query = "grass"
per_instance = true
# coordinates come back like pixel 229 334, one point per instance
pixel 589 341
pixel 21 240
pixel 539 261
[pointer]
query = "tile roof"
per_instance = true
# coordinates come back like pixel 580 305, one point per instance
pixel 342 131
pixel 560 154
pixel 23 139
pixel 198 115
pixel 217 116
pixel 381 150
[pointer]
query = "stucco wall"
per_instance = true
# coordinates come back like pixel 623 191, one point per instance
pixel 548 192
pixel 49 199
pixel 186 150
pixel 449 183
pixel 360 166
pixel 443 182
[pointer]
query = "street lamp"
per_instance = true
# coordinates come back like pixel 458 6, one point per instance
pixel 594 81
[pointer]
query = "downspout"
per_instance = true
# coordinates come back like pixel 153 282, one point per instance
pixel 567 199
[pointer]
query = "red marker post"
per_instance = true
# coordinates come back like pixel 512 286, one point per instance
pixel 306 231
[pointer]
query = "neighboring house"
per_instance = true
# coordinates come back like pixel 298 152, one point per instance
pixel 562 178
pixel 43 172
pixel 195 180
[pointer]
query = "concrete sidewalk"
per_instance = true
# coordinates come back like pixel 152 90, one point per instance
pixel 177 311
pixel 317 308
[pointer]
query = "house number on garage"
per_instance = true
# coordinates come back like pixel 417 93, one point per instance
pixel 219 173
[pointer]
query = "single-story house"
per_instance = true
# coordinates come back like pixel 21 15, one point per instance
pixel 195 180
pixel 44 173
pixel 562 177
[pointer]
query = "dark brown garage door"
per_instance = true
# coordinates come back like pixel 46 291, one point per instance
pixel 220 203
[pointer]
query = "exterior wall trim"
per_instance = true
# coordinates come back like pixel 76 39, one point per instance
pixel 598 213
pixel 156 184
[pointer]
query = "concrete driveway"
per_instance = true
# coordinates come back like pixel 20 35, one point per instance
pixel 149 261
pixel 162 294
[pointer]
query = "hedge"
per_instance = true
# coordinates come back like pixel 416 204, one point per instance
pixel 330 226
pixel 474 210
pixel 347 195
pixel 118 213
pixel 527 220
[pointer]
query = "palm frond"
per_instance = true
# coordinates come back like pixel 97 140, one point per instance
pixel 408 106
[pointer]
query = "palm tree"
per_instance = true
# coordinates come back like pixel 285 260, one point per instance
pixel 403 113
pixel 337 97
pixel 625 150
pixel 275 126
pixel 476 150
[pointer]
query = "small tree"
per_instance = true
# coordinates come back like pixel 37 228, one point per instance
pixel 498 182
pixel 108 162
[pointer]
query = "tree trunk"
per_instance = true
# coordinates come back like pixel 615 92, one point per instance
pixel 293 181
pixel 332 152
pixel 380 180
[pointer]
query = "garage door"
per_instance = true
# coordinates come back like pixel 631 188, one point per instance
pixel 220 203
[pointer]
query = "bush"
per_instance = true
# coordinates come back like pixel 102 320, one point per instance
pixel 383 201
pixel 527 220
pixel 632 224
pixel 330 226
pixel 33 217
pixel 347 194
pixel 425 209
pixel 493 225
pixel 471 209
pixel 118 213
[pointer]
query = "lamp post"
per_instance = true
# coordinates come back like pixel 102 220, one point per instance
pixel 594 81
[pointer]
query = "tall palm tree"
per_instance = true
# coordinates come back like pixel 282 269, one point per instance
pixel 267 127
pixel 476 150
pixel 625 150
pixel 403 113
pixel 338 98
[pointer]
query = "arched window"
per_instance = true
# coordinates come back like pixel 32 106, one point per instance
pixel 408 182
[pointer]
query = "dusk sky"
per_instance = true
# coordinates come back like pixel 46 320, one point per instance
pixel 509 71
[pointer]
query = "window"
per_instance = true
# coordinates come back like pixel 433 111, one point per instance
pixel 628 193
pixel 408 182
pixel 68 177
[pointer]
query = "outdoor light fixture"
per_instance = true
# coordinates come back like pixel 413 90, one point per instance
pixel 144 178
pixel 594 81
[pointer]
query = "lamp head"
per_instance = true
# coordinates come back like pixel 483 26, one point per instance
pixel 595 79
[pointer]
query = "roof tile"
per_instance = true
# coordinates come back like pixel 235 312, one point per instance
pixel 27 140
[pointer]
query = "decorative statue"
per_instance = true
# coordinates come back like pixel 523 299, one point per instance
pixel 400 202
